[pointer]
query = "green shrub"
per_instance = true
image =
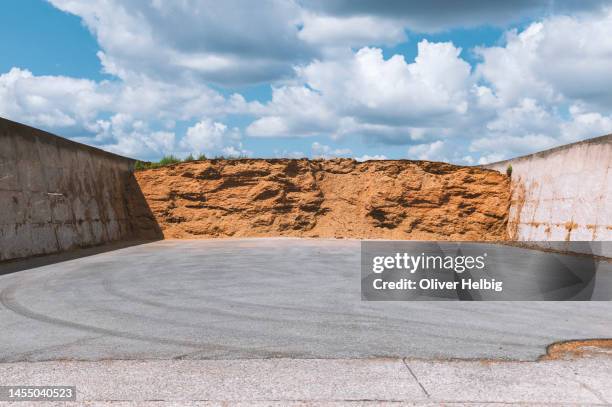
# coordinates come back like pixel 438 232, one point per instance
pixel 139 165
pixel 168 160
pixel 509 170
pixel 231 157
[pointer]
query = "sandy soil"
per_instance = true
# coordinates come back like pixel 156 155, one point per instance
pixel 578 349
pixel 341 198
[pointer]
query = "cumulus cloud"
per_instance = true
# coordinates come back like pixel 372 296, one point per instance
pixel 546 86
pixel 232 42
pixel 584 124
pixel 323 151
pixel 367 94
pixel 529 127
pixel 58 101
pixel 393 90
pixel 352 31
pixel 428 151
pixel 224 42
pixel 143 143
pixel 289 154
pixel 367 157
pixel 294 111
pixel 440 15
pixel 562 57
pixel 52 101
pixel 210 137
pixel 514 102
pixel 134 117
pixel 207 135
pixel 540 86
pixel 123 134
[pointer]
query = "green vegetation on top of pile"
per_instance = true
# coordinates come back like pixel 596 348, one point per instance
pixel 172 159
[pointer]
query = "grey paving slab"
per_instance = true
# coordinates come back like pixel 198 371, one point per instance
pixel 515 382
pixel 320 381
pixel 258 298
pixel 281 379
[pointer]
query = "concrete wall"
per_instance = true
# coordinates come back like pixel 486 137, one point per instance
pixel 562 194
pixel 57 195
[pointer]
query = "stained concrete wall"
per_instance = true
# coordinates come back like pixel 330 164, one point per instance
pixel 562 194
pixel 57 195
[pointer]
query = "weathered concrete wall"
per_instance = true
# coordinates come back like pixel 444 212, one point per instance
pixel 56 195
pixel 562 194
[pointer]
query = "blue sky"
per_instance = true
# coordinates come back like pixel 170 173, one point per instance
pixel 466 83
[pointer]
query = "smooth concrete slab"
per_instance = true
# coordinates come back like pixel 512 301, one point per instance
pixel 309 382
pixel 259 299
pixel 563 382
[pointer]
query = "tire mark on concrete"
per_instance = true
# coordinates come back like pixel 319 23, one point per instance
pixel 111 289
pixel 20 357
pixel 7 298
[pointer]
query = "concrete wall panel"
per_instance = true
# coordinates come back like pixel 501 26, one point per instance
pixel 562 194
pixel 58 195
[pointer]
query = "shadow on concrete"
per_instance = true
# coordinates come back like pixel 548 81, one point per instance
pixel 143 224
pixel 12 266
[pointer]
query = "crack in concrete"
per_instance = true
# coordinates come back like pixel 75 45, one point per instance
pixel 594 392
pixel 416 378
pixel 591 390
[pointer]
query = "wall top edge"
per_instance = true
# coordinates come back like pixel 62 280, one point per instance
pixel 7 125
pixel 606 139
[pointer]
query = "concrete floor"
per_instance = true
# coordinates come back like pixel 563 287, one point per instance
pixel 258 299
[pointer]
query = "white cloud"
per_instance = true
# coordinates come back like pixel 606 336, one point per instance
pixel 529 127
pixel 514 103
pixel 122 134
pixel 491 158
pixel 51 101
pixel 429 151
pixel 547 86
pixel 369 95
pixel 288 154
pixel 544 85
pixel 509 144
pixel 354 31
pixel 561 57
pixel 207 135
pixel 294 111
pixel 57 101
pixel 380 91
pixel 210 137
pixel 224 42
pixel 232 151
pixel 232 42
pixel 152 99
pixel 323 151
pixel 133 117
pixel 367 157
pixel 441 15
pixel 527 112
pixel 585 124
